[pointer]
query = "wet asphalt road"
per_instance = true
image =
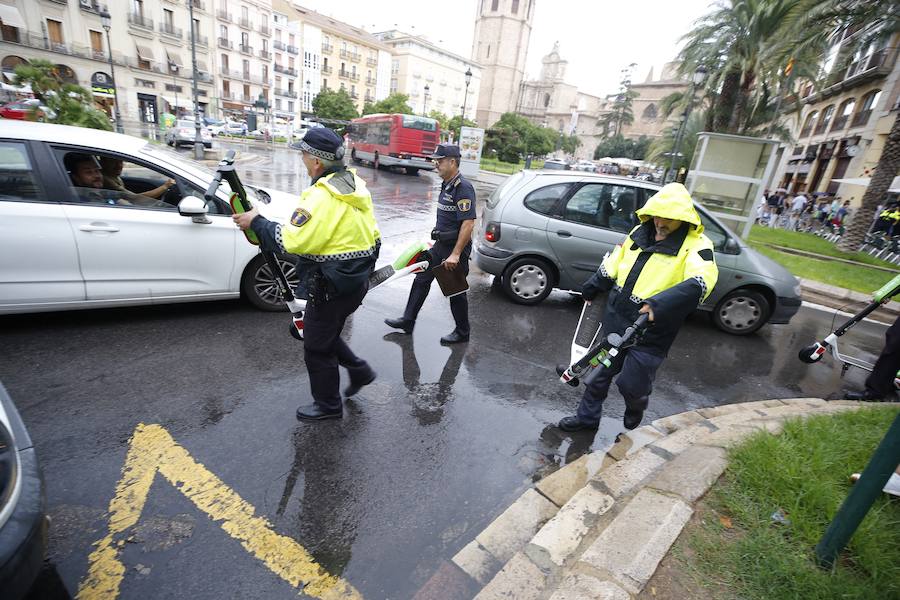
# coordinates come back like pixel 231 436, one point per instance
pixel 424 459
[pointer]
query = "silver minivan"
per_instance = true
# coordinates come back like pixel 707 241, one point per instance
pixel 544 230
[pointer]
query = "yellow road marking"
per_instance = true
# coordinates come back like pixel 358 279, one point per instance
pixel 153 450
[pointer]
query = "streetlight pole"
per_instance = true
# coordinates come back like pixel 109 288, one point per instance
pixel 698 78
pixel 425 101
pixel 462 120
pixel 198 139
pixel 106 21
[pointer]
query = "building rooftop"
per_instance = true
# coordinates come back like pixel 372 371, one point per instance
pixel 394 36
pixel 329 24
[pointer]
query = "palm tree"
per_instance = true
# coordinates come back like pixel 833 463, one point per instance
pixel 660 149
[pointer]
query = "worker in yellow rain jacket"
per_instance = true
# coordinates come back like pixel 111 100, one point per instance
pixel 665 267
pixel 335 237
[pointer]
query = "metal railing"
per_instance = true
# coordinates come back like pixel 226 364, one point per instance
pixel 370 81
pixel 805 131
pixel 246 49
pixel 285 70
pixel 288 93
pixel 278 45
pixel 839 122
pixel 223 15
pixel 170 30
pixel 293 50
pixel 226 43
pixel 327 70
pixel 371 62
pixel 265 54
pixel 264 29
pixel 821 127
pixel 201 40
pixel 327 48
pixel 245 23
pixel 140 21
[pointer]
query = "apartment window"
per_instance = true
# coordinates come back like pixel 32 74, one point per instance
pixel 196 27
pixel 245 39
pixel 494 4
pixel 54 30
pixel 96 41
pixel 10 33
pixel 278 82
pixel 290 62
pixel 225 61
pixel 867 104
pixel 353 70
pixel 515 7
pixel 246 91
pixel 246 68
pixel 137 6
pixel 344 46
pixel 265 73
pixel 809 124
pixel 265 45
pixel 324 84
pixel 291 86
pixel 277 103
pixel 291 39
pixel 844 112
pixel 277 59
pixel 825 120
pixel 168 19
pixel 223 32
pixel 245 13
pixel 395 67
pixel 290 106
pixel 226 88
pixel 393 85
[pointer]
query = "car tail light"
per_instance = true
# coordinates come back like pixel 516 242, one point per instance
pixel 492 232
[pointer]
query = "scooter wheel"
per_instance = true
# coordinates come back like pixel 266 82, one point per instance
pixel 808 354
pixel 295 333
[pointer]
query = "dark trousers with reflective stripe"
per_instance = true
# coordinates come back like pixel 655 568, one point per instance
pixel 636 371
pixel 459 304
pixel 324 349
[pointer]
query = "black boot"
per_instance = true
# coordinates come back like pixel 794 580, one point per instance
pixel 455 337
pixel 358 381
pixel 312 412
pixel 406 325
pixel 632 418
pixel 575 424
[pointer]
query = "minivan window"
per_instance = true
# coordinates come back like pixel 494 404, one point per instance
pixel 715 233
pixel 544 200
pixel 603 205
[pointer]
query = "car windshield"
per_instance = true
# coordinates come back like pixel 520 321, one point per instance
pixel 184 123
pixel 423 123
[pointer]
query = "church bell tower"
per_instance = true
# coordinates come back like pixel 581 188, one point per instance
pixel 500 44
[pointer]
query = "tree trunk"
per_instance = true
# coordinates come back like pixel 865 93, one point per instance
pixel 888 168
pixel 726 101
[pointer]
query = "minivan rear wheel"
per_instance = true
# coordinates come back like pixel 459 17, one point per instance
pixel 741 312
pixel 528 280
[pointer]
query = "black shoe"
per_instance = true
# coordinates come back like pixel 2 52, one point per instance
pixel 354 387
pixel 575 424
pixel 455 337
pixel 632 418
pixel 864 396
pixel 405 325
pixel 312 412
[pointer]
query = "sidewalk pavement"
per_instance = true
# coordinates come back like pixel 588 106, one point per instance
pixel 599 527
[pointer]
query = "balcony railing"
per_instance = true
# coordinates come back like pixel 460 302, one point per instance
pixel 327 48
pixel 246 49
pixel 369 98
pixel 264 29
pixel 287 93
pixel 327 70
pixel 140 21
pixel 278 44
pixel 226 95
pixel 93 6
pixel 285 70
pixel 246 76
pixel 226 43
pixel 265 54
pixel 245 23
pixel 201 40
pixel 354 95
pixel 371 62
pixel 293 49
pixel 370 81
pixel 861 118
pixel 345 54
pixel 223 15
pixel 170 30
pixel 199 5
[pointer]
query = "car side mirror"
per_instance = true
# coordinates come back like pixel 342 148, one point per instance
pixel 732 247
pixel 194 207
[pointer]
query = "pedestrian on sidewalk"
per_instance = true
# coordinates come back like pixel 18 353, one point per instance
pixel 334 235
pixel 452 237
pixel 665 267
pixel 796 209
pixel 880 382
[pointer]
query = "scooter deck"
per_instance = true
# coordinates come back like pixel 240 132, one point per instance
pixel 587 331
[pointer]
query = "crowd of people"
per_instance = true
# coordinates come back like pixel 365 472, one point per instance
pixel 802 212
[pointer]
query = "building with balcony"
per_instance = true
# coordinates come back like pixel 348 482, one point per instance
pixel 418 63
pixel 286 40
pixel 243 55
pixel 843 122
pixel 151 51
pixel 345 57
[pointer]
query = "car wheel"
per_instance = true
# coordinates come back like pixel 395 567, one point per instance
pixel 528 280
pixel 258 283
pixel 741 312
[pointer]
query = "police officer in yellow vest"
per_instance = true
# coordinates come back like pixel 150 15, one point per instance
pixel 334 234
pixel 665 267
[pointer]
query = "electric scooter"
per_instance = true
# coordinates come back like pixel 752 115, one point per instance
pixel 604 352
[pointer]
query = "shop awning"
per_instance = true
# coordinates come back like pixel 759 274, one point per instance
pixel 181 102
pixel 175 59
pixel 10 16
pixel 145 53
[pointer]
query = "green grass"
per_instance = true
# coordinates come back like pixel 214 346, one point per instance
pixel 805 471
pixel 843 275
pixel 498 166
pixel 811 243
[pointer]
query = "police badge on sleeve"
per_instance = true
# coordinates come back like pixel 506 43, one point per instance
pixel 464 205
pixel 300 217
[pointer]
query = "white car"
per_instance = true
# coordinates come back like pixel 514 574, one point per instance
pixel 235 128
pixel 66 244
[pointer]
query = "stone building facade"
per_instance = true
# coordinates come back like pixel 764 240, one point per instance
pixel 648 118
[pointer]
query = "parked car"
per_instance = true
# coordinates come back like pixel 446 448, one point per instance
pixel 214 126
pixel 26 110
pixel 585 165
pixel 23 514
pixel 541 231
pixel 183 132
pixel 235 128
pixel 556 164
pixel 96 252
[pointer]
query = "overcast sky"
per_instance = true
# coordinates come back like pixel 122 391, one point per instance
pixel 598 37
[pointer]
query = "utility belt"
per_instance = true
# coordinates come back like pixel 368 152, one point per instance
pixel 319 289
pixel 444 236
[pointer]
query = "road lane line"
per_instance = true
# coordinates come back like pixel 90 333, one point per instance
pixel 153 449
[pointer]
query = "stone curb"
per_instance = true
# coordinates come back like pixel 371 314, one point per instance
pixel 599 527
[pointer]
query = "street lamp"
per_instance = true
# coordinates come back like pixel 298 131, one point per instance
pixel 697 80
pixel 425 101
pixel 308 99
pixel 173 69
pixel 462 120
pixel 198 140
pixel 106 21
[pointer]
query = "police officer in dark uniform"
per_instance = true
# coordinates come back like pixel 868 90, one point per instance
pixel 336 240
pixel 452 237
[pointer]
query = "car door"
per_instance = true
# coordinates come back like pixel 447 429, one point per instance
pixel 726 259
pixel 143 252
pixel 38 256
pixel 594 218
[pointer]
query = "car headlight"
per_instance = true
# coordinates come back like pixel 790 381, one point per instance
pixel 798 289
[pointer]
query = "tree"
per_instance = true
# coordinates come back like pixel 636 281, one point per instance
pixel 442 119
pixel 659 151
pixel 69 104
pixel 396 103
pixel 456 122
pixel 334 104
pixel 621 147
pixel 570 144
pixel 621 113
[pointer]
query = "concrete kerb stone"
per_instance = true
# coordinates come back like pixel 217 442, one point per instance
pixel 631 547
pixel 630 443
pixel 691 473
pixel 673 423
pixel 585 587
pixel 622 477
pixel 562 534
pixel 564 483
pixel 477 563
pixel 516 526
pixel 675 443
pixel 520 579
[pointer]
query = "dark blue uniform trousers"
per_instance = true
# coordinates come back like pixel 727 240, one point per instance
pixel 324 350
pixel 636 370
pixel 459 304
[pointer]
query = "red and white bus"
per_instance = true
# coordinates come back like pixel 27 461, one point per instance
pixel 394 140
